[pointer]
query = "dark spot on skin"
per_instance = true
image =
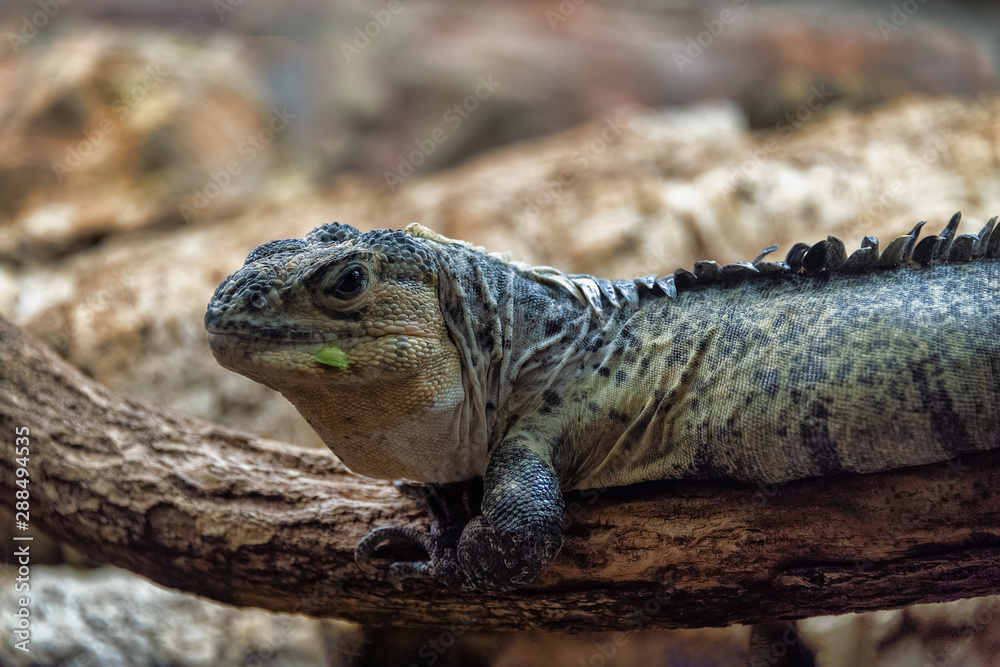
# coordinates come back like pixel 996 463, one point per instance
pixel 815 433
pixel 604 371
pixel 490 406
pixel 552 327
pixel 621 377
pixel 634 342
pixel 705 466
pixel 948 426
pixel 759 338
pixel 644 364
pixel 550 400
pixel 782 432
pixel 613 414
pixel 844 371
pixel 592 406
pixel 767 381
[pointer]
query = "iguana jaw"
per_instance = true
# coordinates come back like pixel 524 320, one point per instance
pixel 391 413
pixel 256 356
pixel 278 362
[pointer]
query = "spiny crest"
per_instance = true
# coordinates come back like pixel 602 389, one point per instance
pixel 332 232
pixel 399 246
pixel 274 247
pixel 327 233
pixel 825 257
pixel 417 230
pixel 585 290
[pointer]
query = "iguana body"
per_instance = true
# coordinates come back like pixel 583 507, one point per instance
pixel 452 364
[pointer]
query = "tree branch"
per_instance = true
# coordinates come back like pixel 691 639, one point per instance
pixel 251 522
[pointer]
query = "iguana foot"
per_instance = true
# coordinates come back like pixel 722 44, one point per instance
pixel 505 547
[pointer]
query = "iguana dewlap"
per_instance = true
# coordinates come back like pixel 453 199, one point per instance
pixel 418 357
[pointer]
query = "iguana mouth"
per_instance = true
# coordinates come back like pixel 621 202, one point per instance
pixel 235 345
pixel 305 339
pixel 283 336
pixel 246 352
pixel 249 354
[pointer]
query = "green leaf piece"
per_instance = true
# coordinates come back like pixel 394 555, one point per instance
pixel 332 356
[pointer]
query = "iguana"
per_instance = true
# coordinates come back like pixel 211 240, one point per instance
pixel 422 358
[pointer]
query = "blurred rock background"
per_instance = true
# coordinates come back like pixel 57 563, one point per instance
pixel 147 147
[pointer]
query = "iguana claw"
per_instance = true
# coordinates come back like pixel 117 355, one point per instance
pixel 400 571
pixel 440 544
pixel 365 549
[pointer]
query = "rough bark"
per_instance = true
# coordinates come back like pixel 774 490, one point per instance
pixel 251 522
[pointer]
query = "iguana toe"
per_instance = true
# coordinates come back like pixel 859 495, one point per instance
pixel 365 549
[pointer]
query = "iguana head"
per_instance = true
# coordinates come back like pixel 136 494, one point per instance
pixel 349 328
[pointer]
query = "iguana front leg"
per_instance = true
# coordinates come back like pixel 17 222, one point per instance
pixel 519 531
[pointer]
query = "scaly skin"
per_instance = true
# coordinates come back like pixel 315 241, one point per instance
pixel 461 365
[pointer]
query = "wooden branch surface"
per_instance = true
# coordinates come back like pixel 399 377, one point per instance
pixel 249 522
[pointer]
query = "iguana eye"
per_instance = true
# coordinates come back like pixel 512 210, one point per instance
pixel 348 283
pixel 342 289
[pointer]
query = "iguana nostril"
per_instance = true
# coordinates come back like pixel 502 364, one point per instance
pixel 258 300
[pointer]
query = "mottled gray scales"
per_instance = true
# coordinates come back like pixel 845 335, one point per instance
pixel 420 357
pixel 847 375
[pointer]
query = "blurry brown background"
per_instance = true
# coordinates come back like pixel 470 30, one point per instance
pixel 147 147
